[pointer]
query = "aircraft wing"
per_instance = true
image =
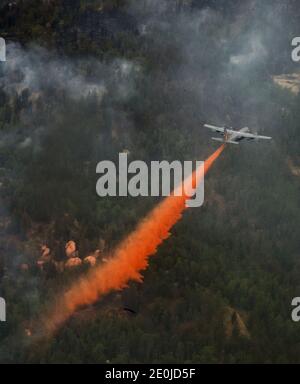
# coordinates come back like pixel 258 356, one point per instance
pixel 247 135
pixel 214 128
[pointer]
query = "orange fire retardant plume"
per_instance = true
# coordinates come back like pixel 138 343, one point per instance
pixel 128 259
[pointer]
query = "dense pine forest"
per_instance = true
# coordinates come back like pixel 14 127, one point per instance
pixel 87 79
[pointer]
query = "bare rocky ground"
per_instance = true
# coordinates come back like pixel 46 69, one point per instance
pixel 289 81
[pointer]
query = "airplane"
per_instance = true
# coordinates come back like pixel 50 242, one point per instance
pixel 234 137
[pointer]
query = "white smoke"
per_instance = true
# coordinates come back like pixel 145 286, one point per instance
pixel 35 69
pixel 253 51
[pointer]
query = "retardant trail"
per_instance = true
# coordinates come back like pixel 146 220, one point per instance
pixel 128 259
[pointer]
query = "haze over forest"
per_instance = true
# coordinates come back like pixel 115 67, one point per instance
pixel 87 80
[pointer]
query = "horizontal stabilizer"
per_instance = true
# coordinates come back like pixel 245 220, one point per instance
pixel 231 142
pixel 223 141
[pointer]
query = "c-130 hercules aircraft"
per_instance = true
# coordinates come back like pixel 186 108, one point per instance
pixel 234 137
